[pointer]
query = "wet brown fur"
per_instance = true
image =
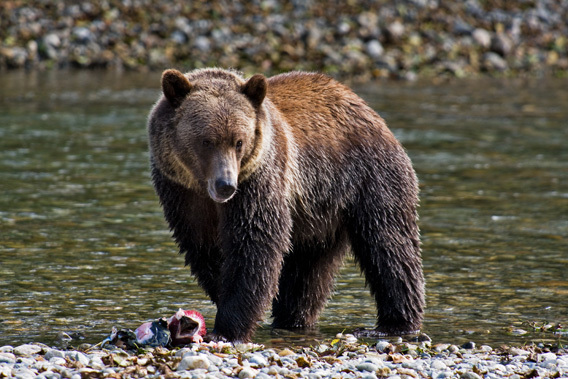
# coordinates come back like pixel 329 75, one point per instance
pixel 319 174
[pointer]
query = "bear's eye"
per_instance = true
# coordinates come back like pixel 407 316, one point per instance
pixel 239 145
pixel 206 143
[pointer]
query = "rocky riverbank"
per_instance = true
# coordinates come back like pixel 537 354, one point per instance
pixel 343 357
pixel 360 38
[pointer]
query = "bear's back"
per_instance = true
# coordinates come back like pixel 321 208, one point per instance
pixel 317 106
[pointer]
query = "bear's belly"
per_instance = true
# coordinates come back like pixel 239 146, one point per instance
pixel 315 225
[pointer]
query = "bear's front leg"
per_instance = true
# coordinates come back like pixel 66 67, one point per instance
pixel 255 234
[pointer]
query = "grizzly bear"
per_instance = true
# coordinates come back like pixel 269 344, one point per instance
pixel 268 183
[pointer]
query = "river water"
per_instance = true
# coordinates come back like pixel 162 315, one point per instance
pixel 83 245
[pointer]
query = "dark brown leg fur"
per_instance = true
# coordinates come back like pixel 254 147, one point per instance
pixel 255 234
pixel 306 282
pixel 389 256
pixel 193 229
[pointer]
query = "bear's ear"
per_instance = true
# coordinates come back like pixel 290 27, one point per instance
pixel 175 87
pixel 255 89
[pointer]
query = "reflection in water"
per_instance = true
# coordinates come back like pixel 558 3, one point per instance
pixel 84 247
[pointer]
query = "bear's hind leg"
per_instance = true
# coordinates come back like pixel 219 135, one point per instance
pixel 306 282
pixel 389 256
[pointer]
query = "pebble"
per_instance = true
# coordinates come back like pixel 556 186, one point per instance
pixel 350 360
pixel 7 358
pixel 193 362
pixel 26 350
pixel 258 360
pixel 482 37
pixel 54 353
pixel 367 366
pixel 494 62
pixel 383 345
pixel 78 357
pixel 247 372
pixel 374 49
pixel 6 349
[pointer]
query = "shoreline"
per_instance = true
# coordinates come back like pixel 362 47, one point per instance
pixel 343 357
pixel 361 39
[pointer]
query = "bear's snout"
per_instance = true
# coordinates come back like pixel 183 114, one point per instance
pixel 221 190
pixel 225 188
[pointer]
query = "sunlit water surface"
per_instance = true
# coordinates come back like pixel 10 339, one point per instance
pixel 83 245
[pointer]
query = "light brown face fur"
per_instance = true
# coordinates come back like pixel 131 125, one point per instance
pixel 215 130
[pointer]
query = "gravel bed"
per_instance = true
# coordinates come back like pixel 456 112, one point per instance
pixel 343 357
pixel 359 38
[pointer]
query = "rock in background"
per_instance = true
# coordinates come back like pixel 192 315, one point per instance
pixel 359 38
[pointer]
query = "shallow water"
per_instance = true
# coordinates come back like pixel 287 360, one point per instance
pixel 83 245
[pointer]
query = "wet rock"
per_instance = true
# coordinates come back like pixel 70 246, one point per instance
pixel 367 366
pixel 546 357
pixel 247 372
pixel 98 364
pixel 15 57
pixel 383 346
pixel 53 353
pixel 395 31
pixel 285 352
pixel 202 43
pixel 24 373
pixel 455 68
pixel 7 358
pixel 193 362
pixel 501 44
pixel 395 39
pixel 438 365
pixel 82 35
pixel 494 62
pixel 27 350
pixel 179 37
pixel 368 25
pixel 461 27
pixel 314 37
pixel 77 356
pixel 470 375
pixel 482 37
pixel 453 349
pixel 52 40
pixel 343 28
pixel 349 360
pixel 518 352
pixel 307 360
pixel 384 372
pixel 258 360
pixel 374 49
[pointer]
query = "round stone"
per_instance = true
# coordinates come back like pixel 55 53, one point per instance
pixel 193 362
pixel 439 365
pixel 7 358
pixel 367 366
pixel 258 360
pixel 51 353
pixel 26 350
pixel 247 372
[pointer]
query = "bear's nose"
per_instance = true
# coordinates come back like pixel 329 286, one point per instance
pixel 224 188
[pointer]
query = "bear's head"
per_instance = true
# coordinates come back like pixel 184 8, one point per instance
pixel 207 130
